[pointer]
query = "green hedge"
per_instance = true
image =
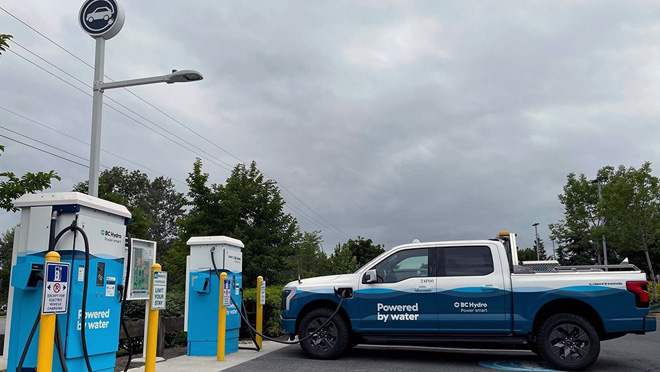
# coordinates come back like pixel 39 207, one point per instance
pixel 271 308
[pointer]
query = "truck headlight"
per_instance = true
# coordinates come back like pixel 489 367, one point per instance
pixel 287 295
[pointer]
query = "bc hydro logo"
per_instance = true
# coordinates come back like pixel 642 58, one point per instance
pixel 110 234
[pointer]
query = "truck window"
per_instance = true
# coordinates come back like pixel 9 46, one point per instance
pixel 466 261
pixel 403 265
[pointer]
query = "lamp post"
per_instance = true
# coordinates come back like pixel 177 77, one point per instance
pixel 97 106
pixel 536 240
pixel 554 257
pixel 102 20
pixel 598 180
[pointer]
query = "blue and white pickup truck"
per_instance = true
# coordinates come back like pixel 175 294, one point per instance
pixel 469 293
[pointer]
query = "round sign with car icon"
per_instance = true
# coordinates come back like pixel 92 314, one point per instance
pixel 101 18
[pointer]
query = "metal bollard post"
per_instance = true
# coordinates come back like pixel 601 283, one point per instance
pixel 222 320
pixel 47 331
pixel 260 311
pixel 152 329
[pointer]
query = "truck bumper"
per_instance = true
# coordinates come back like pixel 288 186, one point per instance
pixel 650 323
pixel 289 325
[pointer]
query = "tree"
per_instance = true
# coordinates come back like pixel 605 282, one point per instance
pixel 363 249
pixel 3 42
pixel 527 254
pixel 15 187
pixel 582 223
pixel 310 259
pixel 155 205
pixel 247 207
pixel 6 250
pixel 342 260
pixel 631 204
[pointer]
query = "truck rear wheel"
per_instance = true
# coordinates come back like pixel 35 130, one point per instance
pixel 568 342
pixel 328 342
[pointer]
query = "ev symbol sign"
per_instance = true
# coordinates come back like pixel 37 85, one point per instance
pixel 56 288
pixel 101 18
pixel 158 290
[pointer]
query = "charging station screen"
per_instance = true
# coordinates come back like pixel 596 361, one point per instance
pixel 143 256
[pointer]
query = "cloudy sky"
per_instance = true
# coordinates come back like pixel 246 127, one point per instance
pixel 391 120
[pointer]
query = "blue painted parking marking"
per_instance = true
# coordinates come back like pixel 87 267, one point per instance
pixel 517 365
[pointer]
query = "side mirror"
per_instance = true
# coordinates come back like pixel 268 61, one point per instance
pixel 370 276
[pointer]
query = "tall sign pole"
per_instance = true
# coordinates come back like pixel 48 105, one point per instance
pixel 102 20
pixel 97 116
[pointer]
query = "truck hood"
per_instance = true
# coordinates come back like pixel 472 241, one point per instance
pixel 325 281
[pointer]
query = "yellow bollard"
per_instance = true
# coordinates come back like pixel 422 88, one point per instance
pixel 260 311
pixel 222 321
pixel 47 330
pixel 152 329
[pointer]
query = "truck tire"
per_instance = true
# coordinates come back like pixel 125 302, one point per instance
pixel 330 342
pixel 568 342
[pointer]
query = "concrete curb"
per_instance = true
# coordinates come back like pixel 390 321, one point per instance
pixel 209 363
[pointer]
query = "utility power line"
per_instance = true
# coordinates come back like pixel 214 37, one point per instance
pixel 327 226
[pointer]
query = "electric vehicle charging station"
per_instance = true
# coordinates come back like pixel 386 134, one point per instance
pixel 203 290
pixel 103 225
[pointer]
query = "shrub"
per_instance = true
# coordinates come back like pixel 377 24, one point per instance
pixel 271 308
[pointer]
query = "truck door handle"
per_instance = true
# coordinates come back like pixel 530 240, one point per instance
pixel 488 288
pixel 423 289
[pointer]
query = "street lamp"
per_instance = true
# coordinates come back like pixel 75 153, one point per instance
pixel 598 180
pixel 182 76
pixel 536 240
pixel 102 29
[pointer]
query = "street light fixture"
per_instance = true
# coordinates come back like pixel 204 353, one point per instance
pixel 182 76
pixel 536 240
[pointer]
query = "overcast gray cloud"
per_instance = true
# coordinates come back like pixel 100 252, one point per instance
pixel 392 120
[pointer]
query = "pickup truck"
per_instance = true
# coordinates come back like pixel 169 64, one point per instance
pixel 472 294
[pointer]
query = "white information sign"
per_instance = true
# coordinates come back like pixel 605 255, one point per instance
pixel 226 293
pixel 159 290
pixel 56 288
pixel 262 297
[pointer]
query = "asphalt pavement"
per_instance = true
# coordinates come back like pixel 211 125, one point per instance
pixel 629 353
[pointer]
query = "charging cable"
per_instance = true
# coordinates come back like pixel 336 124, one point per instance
pixel 247 322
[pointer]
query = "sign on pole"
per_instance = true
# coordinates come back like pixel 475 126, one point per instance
pixel 101 18
pixel 262 297
pixel 56 288
pixel 226 293
pixel 159 290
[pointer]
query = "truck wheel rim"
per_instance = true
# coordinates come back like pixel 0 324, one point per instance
pixel 569 342
pixel 325 339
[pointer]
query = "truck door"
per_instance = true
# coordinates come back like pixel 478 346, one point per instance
pixel 471 292
pixel 403 299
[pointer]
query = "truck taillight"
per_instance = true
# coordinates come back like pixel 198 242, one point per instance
pixel 640 291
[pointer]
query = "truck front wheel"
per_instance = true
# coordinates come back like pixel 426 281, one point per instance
pixel 328 342
pixel 568 342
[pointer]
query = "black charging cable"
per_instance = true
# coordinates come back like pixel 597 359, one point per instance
pixel 58 344
pixel 273 339
pixel 123 301
pixel 74 227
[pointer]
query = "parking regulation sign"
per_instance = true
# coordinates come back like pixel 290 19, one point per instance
pixel 159 290
pixel 56 288
pixel 226 293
